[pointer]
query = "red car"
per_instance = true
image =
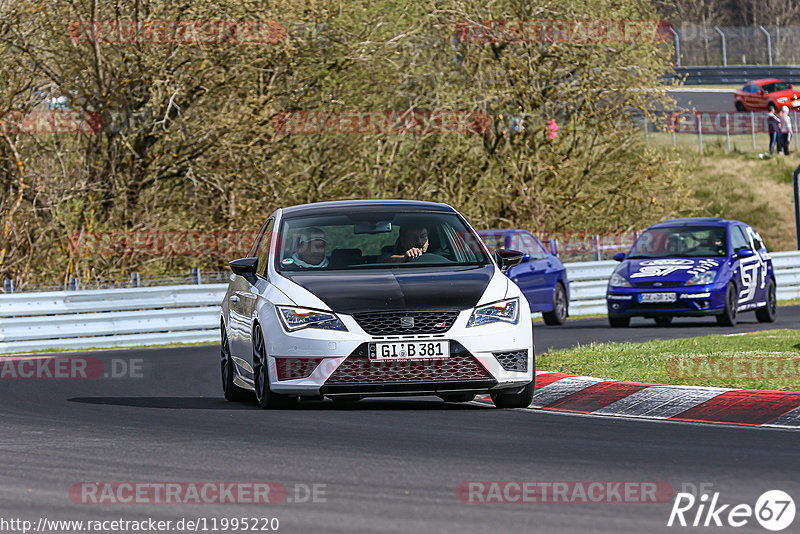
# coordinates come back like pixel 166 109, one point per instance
pixel 765 95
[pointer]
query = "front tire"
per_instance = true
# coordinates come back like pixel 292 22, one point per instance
pixel 522 399
pixel 740 106
pixel 768 313
pixel 728 316
pixel 230 390
pixel 559 314
pixel 264 395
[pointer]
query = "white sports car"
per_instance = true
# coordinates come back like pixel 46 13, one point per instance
pixel 374 297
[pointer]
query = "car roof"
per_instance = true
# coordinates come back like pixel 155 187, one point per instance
pixel 339 207
pixel 696 221
pixel 763 81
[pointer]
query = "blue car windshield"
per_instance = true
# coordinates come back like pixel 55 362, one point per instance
pixel 380 240
pixel 681 242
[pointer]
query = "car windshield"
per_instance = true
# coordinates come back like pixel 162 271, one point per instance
pixel 377 240
pixel 681 242
pixel 776 86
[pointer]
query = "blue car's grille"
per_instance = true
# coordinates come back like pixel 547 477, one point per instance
pixel 657 284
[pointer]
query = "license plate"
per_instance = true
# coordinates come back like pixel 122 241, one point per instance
pixel 409 350
pixel 657 297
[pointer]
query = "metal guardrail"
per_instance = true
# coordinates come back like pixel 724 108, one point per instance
pixel 734 74
pixel 129 317
pixel 588 282
pixel 107 318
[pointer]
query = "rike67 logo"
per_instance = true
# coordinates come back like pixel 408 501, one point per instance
pixel 774 510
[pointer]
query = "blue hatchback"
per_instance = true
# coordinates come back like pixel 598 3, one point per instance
pixel 541 276
pixel 693 267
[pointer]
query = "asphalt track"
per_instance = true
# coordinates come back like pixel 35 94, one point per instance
pixel 387 465
pixel 703 99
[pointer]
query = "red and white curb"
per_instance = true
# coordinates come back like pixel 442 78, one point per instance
pixel 589 395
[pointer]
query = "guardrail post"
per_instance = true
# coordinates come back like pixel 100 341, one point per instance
pixel 796 205
pixel 196 279
pixel 73 284
pixel 135 280
pixel 769 43
pixel 8 285
pixel 596 246
pixel 753 128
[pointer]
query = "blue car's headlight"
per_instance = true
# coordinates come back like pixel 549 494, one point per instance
pixel 701 279
pixel 506 311
pixel 617 280
pixel 298 318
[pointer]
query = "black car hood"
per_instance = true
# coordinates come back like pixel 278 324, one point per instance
pixel 397 289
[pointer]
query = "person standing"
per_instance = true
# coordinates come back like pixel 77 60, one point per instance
pixel 786 129
pixel 774 130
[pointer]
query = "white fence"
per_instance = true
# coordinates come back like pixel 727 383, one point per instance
pixel 108 318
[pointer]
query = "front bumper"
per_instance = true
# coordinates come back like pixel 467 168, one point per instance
pixel 689 301
pixel 322 362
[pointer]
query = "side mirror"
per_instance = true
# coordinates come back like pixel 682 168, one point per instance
pixel 761 92
pixel 507 259
pixel 245 267
pixel 619 256
pixel 526 258
pixel 744 253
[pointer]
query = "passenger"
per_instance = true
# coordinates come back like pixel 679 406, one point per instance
pixel 311 249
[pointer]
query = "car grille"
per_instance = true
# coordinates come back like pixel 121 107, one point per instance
pixel 392 324
pixel 657 284
pixel 649 306
pixel 513 360
pixel 360 370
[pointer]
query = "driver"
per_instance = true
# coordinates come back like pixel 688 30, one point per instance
pixel 311 249
pixel 412 243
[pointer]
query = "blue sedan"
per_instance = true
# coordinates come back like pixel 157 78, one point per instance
pixel 693 267
pixel 541 276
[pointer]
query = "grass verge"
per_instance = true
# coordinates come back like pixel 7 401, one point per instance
pixel 759 360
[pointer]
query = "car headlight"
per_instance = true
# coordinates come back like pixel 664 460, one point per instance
pixel 298 318
pixel 701 279
pixel 617 280
pixel 506 311
pixel 783 99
